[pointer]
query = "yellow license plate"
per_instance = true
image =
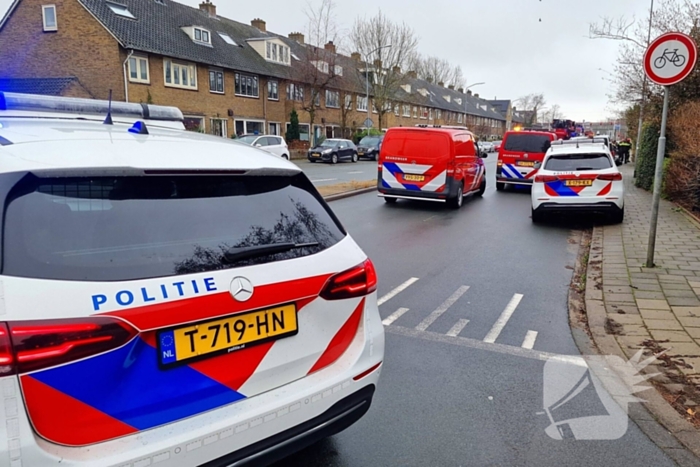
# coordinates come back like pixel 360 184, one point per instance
pixel 526 163
pixel 578 182
pixel 226 334
pixel 413 178
pixel 315 154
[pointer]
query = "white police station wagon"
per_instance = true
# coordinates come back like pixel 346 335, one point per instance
pixel 165 303
pixel 578 176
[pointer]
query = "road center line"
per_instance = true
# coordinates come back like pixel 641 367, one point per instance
pixel 397 291
pixel 324 180
pixel 457 328
pixel 503 319
pixel 529 341
pixel 394 316
pixel 425 324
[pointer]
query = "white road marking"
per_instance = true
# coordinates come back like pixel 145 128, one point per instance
pixel 324 180
pixel 394 316
pixel 425 324
pixel 529 341
pixel 503 319
pixel 457 328
pixel 353 173
pixel 397 291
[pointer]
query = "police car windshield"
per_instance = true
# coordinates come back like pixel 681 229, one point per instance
pixel 525 142
pixel 578 162
pixel 126 228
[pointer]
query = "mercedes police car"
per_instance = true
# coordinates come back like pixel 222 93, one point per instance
pixel 576 176
pixel 165 303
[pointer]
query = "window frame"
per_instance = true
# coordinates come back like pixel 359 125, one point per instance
pixel 202 33
pixel 53 28
pixel 254 84
pixel 361 99
pixel 335 94
pixel 223 81
pixel 295 92
pixel 138 60
pixel 270 83
pixel 192 73
pixel 406 111
pixel 348 101
pixel 202 119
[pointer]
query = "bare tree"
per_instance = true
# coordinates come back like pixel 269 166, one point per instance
pixel 552 113
pixel 387 47
pixel 434 69
pixel 457 78
pixel 532 103
pixel 316 69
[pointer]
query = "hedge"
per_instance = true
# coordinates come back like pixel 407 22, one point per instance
pixel 646 159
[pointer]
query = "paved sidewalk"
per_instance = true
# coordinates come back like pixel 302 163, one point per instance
pixel 630 307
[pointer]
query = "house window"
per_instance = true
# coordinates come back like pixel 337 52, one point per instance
pixel 194 124
pixel 321 66
pixel 138 69
pixel 202 35
pixel 430 114
pixel 333 99
pixel 120 10
pixel 273 91
pixel 338 70
pixel 362 103
pixel 48 12
pixel 317 99
pixel 246 85
pixel 274 129
pixel 397 109
pixel 406 110
pixel 250 127
pixel 459 118
pixel 277 53
pixel 303 131
pixel 274 53
pixel 216 81
pixel 415 112
pixel 295 92
pixel 438 114
pixel 348 101
pixel 227 38
pixel 180 75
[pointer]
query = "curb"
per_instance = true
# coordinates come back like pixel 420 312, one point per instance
pixel 657 419
pixel 349 194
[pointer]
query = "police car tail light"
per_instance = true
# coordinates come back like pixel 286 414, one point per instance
pixel 616 177
pixel 42 344
pixel 546 178
pixel 7 358
pixel 356 282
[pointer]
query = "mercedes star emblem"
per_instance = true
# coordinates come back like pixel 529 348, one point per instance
pixel 241 289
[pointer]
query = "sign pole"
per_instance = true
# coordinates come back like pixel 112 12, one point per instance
pixel 658 181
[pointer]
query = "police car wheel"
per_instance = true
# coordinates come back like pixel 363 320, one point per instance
pixel 500 186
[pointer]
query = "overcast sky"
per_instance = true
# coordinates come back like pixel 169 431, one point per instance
pixel 501 42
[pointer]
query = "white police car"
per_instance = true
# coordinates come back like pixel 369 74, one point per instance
pixel 577 176
pixel 164 303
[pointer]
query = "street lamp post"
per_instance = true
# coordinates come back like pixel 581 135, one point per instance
pixel 465 99
pixel 644 88
pixel 367 77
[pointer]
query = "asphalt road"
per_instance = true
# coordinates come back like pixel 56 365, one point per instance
pixel 458 401
pixel 321 173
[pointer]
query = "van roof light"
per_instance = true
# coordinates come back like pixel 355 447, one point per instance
pixel 52 104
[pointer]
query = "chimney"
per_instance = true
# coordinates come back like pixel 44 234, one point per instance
pixel 330 47
pixel 297 36
pixel 441 84
pixel 476 95
pixel 397 70
pixel 412 74
pixel 378 64
pixel 356 56
pixel 258 23
pixel 460 90
pixel 469 92
pixel 452 87
pixel 208 7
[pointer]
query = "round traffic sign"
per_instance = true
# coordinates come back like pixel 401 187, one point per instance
pixel 670 58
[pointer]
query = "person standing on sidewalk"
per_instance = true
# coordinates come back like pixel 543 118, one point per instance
pixel 625 147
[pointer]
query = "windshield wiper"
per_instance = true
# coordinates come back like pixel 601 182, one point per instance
pixel 584 168
pixel 241 253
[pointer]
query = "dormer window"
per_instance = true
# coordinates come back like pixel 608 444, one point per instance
pixel 338 70
pixel 321 66
pixel 458 100
pixel 202 35
pixel 275 52
pixel 120 10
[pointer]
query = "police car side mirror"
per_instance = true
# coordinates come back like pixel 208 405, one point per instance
pixel 258 145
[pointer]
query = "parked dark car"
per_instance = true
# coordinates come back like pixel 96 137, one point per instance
pixel 369 147
pixel 334 150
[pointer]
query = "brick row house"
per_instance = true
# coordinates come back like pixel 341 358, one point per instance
pixel 227 77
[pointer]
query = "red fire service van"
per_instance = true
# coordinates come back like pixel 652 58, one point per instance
pixel 520 156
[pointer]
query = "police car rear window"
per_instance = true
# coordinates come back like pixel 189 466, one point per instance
pixel 126 228
pixel 524 142
pixel 578 162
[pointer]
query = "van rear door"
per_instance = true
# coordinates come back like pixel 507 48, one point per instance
pixel 415 160
pixel 520 152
